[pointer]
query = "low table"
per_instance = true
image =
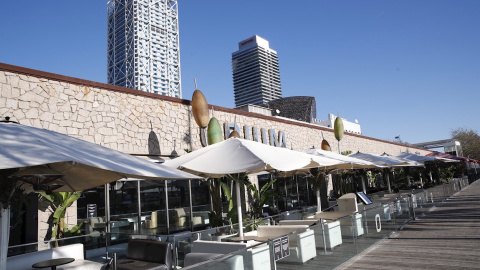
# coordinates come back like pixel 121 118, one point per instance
pixel 53 263
pixel 248 238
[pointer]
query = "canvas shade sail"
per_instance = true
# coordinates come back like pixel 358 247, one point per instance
pixel 243 156
pixel 82 165
pixel 348 161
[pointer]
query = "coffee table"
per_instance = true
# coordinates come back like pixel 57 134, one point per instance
pixel 53 263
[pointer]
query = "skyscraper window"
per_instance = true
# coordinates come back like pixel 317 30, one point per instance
pixel 138 30
pixel 256 74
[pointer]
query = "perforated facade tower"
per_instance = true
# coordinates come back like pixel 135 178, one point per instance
pixel 143 46
pixel 256 74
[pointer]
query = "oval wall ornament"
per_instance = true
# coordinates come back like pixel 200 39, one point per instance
pixel 214 131
pixel 200 109
pixel 338 128
pixel 325 145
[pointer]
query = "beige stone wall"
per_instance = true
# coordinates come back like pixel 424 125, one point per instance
pixel 123 121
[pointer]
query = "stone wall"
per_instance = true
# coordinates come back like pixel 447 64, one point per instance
pixel 123 119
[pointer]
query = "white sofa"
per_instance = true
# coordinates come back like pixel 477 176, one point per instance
pixel 302 243
pixel 333 233
pixel 25 261
pixel 257 258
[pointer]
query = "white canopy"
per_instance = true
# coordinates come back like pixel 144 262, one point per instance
pixel 235 156
pixel 400 160
pixel 384 161
pixel 415 157
pixel 82 165
pixel 423 159
pixel 349 162
pixel 243 156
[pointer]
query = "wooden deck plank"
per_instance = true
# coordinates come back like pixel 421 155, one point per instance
pixel 445 237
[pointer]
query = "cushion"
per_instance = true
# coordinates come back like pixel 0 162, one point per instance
pixel 200 246
pixel 149 251
pixel 194 258
pixel 180 212
pixel 137 265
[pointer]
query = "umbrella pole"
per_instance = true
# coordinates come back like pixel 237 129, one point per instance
pixel 191 206
pixel 387 176
pixel 239 208
pixel 4 235
pixel 319 201
pixel 139 208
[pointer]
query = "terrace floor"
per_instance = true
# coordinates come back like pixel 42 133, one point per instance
pixel 446 237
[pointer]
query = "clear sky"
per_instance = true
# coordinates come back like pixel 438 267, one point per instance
pixel 408 68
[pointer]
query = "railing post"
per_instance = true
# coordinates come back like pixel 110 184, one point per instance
pixel 410 207
pixel 323 234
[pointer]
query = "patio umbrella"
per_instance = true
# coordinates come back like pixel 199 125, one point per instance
pixel 384 161
pixel 234 156
pixel 50 157
pixel 81 165
pixel 415 157
pixel 349 162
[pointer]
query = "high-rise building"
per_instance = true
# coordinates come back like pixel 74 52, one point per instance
pixel 256 75
pixel 143 46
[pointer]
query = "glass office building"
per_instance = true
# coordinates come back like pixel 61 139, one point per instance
pixel 143 46
pixel 256 74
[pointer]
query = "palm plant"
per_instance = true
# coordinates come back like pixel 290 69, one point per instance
pixel 257 199
pixel 59 202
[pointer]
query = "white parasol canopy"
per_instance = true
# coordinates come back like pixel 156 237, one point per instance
pixel 235 156
pixel 383 161
pixel 349 162
pixel 82 165
pixel 243 156
pixel 423 159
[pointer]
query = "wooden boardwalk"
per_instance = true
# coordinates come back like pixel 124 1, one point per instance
pixel 446 237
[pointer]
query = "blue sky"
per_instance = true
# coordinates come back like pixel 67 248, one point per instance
pixel 408 68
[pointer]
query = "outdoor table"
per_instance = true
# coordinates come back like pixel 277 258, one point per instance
pixel 53 263
pixel 247 238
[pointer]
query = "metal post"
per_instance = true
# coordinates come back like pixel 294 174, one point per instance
pixel 308 191
pixel 298 195
pixel 239 208
pixel 107 215
pixel 363 183
pixel 387 176
pixel 167 218
pixel 412 210
pixel 191 207
pixel 319 202
pixel 365 217
pixel 139 212
pixel 323 233
pixel 107 206
pixel 114 261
